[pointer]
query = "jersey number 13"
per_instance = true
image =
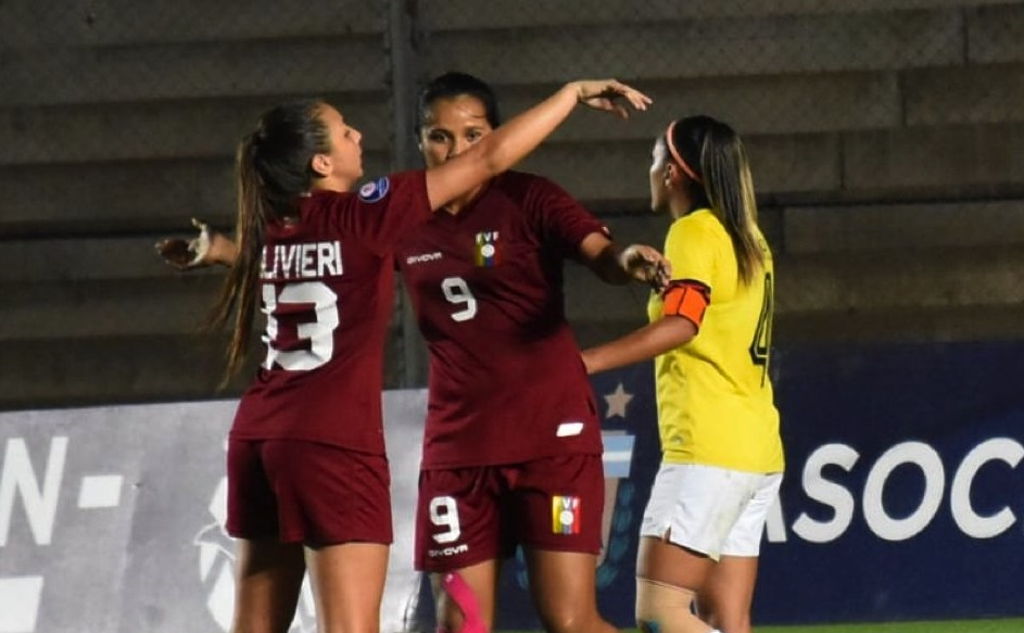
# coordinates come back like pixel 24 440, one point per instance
pixel 319 332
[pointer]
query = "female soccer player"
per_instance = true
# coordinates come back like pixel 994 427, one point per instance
pixel 710 334
pixel 512 446
pixel 307 476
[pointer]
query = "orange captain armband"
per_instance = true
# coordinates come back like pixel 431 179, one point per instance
pixel 687 298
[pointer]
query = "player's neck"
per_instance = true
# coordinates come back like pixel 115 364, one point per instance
pixel 333 183
pixel 679 205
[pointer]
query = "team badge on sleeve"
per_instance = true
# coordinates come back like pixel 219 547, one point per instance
pixel 375 189
pixel 486 253
pixel 565 515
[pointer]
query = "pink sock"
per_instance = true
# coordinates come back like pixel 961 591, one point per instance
pixel 462 595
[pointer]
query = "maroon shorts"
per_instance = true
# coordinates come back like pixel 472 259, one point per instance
pixel 297 491
pixel 468 515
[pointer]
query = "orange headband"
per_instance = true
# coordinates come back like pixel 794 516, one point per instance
pixel 675 154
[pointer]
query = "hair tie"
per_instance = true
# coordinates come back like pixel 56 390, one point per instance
pixel 675 153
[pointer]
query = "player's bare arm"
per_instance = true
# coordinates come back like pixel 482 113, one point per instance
pixel 510 143
pixel 207 248
pixel 614 265
pixel 492 155
pixel 639 345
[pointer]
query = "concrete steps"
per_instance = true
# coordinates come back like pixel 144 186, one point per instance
pixel 885 145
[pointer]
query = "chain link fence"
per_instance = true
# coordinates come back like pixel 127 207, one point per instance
pixel 874 127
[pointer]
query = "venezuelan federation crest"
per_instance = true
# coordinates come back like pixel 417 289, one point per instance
pixel 487 252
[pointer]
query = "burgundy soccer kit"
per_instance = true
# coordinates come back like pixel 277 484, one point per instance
pixel 326 286
pixel 511 415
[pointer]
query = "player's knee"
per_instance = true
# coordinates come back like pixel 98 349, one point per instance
pixel 566 619
pixel 343 627
pixel 725 612
pixel 664 608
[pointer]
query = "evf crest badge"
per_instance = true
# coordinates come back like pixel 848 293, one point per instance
pixel 487 253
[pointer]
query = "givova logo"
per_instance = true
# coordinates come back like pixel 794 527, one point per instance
pixel 216 569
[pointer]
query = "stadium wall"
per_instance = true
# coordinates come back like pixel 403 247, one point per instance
pixel 884 137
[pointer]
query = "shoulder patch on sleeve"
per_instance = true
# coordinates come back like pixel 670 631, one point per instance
pixel 375 189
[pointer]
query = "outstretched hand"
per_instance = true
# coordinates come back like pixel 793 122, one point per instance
pixel 644 263
pixel 608 95
pixel 186 254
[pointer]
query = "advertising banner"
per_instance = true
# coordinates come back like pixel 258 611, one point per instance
pixel 903 499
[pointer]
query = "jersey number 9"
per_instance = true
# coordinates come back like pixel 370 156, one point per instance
pixel 445 513
pixel 456 291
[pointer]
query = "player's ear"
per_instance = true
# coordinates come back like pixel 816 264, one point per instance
pixel 672 175
pixel 321 165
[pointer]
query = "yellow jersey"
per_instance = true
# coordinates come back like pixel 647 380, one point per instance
pixel 715 403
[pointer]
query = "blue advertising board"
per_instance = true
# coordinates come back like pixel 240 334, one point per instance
pixel 903 497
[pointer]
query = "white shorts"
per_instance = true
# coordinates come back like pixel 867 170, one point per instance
pixel 710 510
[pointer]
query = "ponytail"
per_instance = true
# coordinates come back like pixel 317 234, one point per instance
pixel 272 168
pixel 724 180
pixel 240 286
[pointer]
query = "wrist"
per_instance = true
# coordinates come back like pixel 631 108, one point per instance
pixel 623 256
pixel 219 250
pixel 575 90
pixel 633 263
pixel 589 363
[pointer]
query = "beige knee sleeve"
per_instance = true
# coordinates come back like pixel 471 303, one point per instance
pixel 663 608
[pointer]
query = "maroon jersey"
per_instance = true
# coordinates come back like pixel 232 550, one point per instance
pixel 327 285
pixel 506 380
